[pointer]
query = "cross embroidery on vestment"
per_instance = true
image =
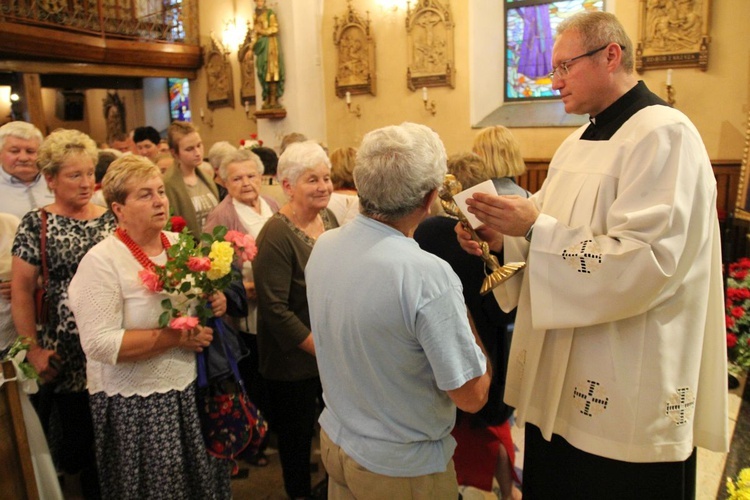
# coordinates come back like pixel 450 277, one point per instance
pixel 590 398
pixel 681 406
pixel 584 256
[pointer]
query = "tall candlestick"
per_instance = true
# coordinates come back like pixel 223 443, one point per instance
pixel 669 77
pixel 424 93
pixel 348 97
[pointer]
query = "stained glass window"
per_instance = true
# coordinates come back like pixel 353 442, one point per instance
pixel 529 35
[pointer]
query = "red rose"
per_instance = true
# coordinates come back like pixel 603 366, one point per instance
pixel 737 312
pixel 730 322
pixel 178 223
pixel 740 274
pixel 731 340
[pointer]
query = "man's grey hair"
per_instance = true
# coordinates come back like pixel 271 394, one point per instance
pixel 597 29
pixel 396 167
pixel 299 157
pixel 239 156
pixel 20 130
pixel 217 153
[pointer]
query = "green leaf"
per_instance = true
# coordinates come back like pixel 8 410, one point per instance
pixel 166 304
pixel 207 239
pixel 164 319
pixel 220 232
pixel 185 286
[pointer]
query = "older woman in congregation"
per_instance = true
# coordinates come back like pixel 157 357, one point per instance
pixel 50 243
pixel 287 353
pixel 141 377
pixel 245 210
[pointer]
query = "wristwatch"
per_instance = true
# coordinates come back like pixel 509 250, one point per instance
pixel 528 233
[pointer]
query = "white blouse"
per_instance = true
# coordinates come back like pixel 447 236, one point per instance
pixel 107 298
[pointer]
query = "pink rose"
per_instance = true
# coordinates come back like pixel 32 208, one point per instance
pixel 243 244
pixel 184 323
pixel 151 280
pixel 199 263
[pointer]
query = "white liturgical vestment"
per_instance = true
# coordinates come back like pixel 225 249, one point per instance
pixel 619 345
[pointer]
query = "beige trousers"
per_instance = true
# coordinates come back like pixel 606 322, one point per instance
pixel 347 480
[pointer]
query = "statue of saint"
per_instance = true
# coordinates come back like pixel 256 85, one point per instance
pixel 268 61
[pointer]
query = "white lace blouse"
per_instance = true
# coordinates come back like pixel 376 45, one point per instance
pixel 107 298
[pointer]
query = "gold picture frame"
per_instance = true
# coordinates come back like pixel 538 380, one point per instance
pixel 742 205
pixel 220 93
pixel 355 48
pixel 430 34
pixel 673 34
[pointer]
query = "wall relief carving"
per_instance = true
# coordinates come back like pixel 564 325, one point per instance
pixel 355 47
pixel 431 60
pixel 673 34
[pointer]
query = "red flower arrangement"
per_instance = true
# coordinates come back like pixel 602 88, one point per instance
pixel 738 313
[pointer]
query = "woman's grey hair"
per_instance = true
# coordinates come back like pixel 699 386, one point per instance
pixel 239 156
pixel 397 166
pixel 20 130
pixel 597 29
pixel 299 157
pixel 217 153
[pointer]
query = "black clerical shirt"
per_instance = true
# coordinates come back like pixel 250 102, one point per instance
pixel 604 125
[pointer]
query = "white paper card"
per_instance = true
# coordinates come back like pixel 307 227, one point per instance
pixel 460 199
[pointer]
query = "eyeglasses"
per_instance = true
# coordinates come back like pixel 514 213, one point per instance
pixel 562 69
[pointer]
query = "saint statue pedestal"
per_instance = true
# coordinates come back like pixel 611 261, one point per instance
pixel 270 114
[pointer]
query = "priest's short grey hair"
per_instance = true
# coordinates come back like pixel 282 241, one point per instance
pixel 20 130
pixel 397 166
pixel 299 157
pixel 600 28
pixel 239 156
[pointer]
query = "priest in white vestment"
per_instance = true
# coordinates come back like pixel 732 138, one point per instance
pixel 618 361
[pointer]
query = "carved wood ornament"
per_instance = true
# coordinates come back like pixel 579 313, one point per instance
pixel 220 93
pixel 673 34
pixel 246 59
pixel 431 59
pixel 355 71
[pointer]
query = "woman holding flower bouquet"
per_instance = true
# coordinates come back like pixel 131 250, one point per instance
pixel 142 377
pixel 287 353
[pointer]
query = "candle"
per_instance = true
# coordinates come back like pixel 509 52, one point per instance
pixel 669 77
pixel 247 106
pixel 201 112
pixel 424 94
pixel 348 97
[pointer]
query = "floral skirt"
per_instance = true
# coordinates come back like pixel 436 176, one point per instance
pixel 152 447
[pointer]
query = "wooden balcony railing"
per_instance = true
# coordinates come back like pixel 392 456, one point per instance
pixel 162 33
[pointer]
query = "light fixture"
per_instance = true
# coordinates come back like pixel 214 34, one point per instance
pixel 356 111
pixel 432 107
pixel 14 97
pixel 232 36
pixel 207 121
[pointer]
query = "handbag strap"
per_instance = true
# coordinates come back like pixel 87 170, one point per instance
pixel 43 248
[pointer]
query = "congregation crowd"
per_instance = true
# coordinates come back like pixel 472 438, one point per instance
pixel 362 310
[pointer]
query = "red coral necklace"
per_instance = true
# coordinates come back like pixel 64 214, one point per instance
pixel 137 251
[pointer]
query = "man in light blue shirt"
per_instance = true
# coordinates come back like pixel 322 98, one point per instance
pixel 22 187
pixel 394 347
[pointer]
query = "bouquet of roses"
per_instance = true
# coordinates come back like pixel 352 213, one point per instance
pixel 196 271
pixel 738 313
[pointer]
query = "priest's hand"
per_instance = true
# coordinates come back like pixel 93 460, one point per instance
pixel 511 215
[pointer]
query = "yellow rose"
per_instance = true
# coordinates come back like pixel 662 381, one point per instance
pixel 221 256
